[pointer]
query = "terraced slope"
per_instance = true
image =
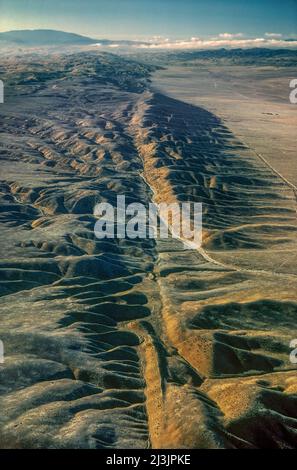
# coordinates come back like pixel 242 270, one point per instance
pixel 139 343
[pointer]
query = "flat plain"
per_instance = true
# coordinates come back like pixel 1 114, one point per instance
pixel 254 101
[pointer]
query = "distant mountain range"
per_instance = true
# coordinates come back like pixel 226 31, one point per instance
pixel 51 37
pixel 257 56
pixel 223 53
pixel 43 37
pixel 33 38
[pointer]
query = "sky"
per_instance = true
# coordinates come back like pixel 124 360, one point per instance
pixel 142 19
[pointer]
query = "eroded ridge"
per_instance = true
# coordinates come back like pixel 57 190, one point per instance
pixel 137 343
pixel 228 309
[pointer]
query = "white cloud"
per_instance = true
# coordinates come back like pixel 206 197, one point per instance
pixel 273 35
pixel 224 40
pixel 230 35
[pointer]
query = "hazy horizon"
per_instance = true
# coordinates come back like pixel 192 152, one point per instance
pixel 144 19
